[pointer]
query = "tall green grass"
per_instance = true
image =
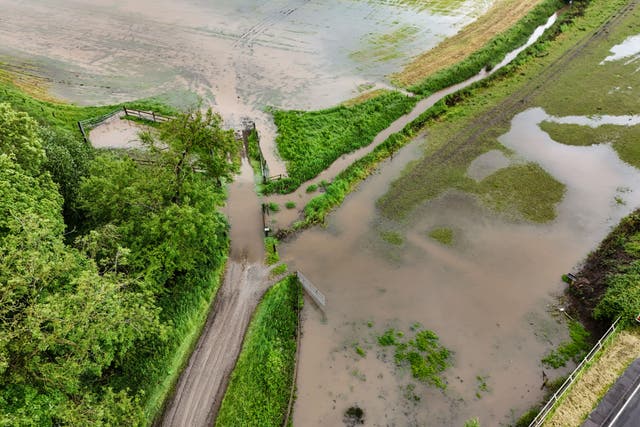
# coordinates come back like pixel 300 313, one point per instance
pixel 310 141
pixel 260 385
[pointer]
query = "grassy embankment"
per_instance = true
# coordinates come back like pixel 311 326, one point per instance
pixel 445 120
pixel 502 15
pixel 184 307
pixel 310 141
pixel 260 385
pixel 65 116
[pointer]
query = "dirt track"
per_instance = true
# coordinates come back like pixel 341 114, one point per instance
pixel 199 391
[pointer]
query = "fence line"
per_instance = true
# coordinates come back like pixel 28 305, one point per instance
pixel 546 409
pixel 88 124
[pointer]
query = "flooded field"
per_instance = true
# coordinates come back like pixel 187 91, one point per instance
pixel 491 296
pixel 239 56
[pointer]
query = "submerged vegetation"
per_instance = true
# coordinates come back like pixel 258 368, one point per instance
pixel 575 349
pixel 423 354
pixel 260 385
pixel 443 235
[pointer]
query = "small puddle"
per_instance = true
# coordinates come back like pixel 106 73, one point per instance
pixel 117 133
pixel 487 164
pixel 629 49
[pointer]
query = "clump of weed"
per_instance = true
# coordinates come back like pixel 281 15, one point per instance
pixel 473 422
pixel 273 206
pixel 271 250
pixel 392 237
pixel 423 355
pixel 409 393
pixel 361 352
pixel 575 349
pixel 290 205
pixel 481 385
pixel 443 235
pixel 353 416
pixel 279 270
pixel 312 188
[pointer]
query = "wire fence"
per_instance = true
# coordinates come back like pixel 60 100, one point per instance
pixel 546 409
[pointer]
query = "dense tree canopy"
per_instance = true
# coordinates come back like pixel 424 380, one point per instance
pixel 77 320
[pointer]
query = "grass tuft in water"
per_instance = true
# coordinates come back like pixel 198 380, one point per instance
pixel 443 235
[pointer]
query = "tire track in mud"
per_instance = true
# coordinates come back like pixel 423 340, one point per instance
pixel 201 387
pixel 247 38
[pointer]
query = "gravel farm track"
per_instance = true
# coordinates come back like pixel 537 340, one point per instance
pixel 200 389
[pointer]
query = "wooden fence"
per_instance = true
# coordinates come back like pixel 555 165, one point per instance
pixel 88 124
pixel 546 409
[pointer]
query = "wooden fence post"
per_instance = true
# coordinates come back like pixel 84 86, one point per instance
pixel 126 113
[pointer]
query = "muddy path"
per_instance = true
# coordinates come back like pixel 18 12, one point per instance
pixel 201 387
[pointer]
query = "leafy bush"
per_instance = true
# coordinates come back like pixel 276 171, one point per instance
pixel 622 297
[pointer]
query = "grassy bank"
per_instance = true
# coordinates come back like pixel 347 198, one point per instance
pixel 260 385
pixel 65 116
pixel 309 141
pixel 489 55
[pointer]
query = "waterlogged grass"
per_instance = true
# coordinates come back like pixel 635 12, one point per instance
pixel 443 235
pixel 522 190
pixel 260 385
pixel 575 349
pixel 271 250
pixel 439 6
pixel 624 139
pixel 451 119
pixel 309 141
pixel 423 354
pixel 384 47
pixel 392 237
pixel 590 86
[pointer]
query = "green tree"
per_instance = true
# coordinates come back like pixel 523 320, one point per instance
pixel 195 142
pixel 19 139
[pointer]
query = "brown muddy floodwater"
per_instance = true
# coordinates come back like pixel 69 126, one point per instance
pixel 491 296
pixel 238 55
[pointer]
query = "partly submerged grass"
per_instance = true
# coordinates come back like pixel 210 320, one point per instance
pixel 525 190
pixel 443 235
pixel 575 349
pixel 66 116
pixel 392 237
pixel 423 354
pixel 486 57
pixel 260 384
pixel 384 47
pixel 624 139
